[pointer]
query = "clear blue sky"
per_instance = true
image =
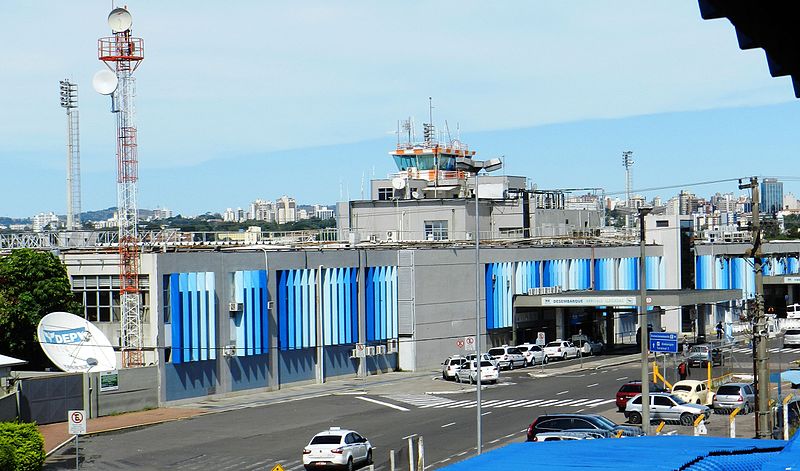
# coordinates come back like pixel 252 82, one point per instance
pixel 244 100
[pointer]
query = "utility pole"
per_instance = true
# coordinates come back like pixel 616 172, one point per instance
pixel 644 340
pixel 760 336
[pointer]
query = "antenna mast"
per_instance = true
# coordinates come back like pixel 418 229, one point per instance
pixel 69 101
pixel 123 53
pixel 627 162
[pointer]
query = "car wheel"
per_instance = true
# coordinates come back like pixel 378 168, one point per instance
pixel 545 360
pixel 687 419
pixel 698 402
pixel 635 418
pixel 471 380
pixel 746 408
pixel 369 457
pixel 458 379
pixel 349 466
pixel 510 365
pixel 564 357
pixel 444 376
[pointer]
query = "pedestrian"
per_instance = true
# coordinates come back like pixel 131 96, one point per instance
pixel 685 346
pixel 683 370
pixel 719 330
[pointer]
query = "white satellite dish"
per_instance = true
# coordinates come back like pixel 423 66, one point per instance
pixel 398 183
pixel 105 82
pixel 119 20
pixel 74 344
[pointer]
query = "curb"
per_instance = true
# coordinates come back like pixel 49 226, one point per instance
pixel 578 369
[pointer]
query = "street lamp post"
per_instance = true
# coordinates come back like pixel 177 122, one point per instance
pixel 644 340
pixel 488 166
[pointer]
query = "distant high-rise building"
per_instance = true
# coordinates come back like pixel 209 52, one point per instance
pixel 771 196
pixel 322 212
pixel 162 213
pixel 262 210
pixel 229 215
pixel 790 202
pixel 657 202
pixel 688 203
pixel 44 221
pixel 286 210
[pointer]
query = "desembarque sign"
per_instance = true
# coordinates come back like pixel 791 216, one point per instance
pixel 589 301
pixel 74 344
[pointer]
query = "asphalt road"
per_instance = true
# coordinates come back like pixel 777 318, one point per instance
pixel 261 437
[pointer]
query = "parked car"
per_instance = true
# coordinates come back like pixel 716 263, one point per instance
pixel 468 373
pixel 533 354
pixel 560 349
pixel 665 406
pixel 693 391
pixel 791 337
pixel 733 395
pixel 507 357
pixel 631 389
pixel 484 356
pixel 562 422
pixel 587 345
pixel 700 355
pixel 337 447
pixel 451 365
pixel 576 434
pixel 793 311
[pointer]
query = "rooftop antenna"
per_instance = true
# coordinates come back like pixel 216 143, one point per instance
pixel 447 128
pixel 627 162
pixel 363 175
pixel 398 133
pixel 430 110
pixel 69 100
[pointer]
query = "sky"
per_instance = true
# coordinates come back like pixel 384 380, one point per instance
pixel 257 99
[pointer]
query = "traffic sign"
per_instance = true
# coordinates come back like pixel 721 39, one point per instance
pixel 361 352
pixel 77 422
pixel 278 467
pixel 540 339
pixel 664 342
pixel 470 343
pixel 460 343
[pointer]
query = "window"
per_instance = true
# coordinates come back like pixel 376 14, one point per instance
pixel 664 223
pixel 385 193
pixel 435 230
pixel 580 423
pixel 662 401
pixel 99 295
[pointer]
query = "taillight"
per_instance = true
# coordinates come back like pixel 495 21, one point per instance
pixel 531 426
pixel 741 399
pixel 714 398
pixel 559 349
pixel 338 451
pixel 536 439
pixel 306 451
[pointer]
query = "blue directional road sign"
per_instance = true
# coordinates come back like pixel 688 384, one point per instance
pixel 664 342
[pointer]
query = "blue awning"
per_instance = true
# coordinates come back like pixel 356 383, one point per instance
pixel 792 376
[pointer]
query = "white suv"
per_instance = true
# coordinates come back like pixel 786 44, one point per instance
pixel 337 447
pixel 507 357
pixel 451 365
pixel 561 349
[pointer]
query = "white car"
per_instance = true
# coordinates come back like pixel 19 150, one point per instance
pixel 468 373
pixel 664 406
pixel 533 354
pixel 451 365
pixel 507 357
pixel 337 447
pixel 791 338
pixel 587 345
pixel 484 356
pixel 561 349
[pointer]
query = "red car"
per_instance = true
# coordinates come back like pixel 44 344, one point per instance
pixel 630 389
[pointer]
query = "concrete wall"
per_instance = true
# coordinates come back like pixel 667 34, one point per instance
pixel 137 390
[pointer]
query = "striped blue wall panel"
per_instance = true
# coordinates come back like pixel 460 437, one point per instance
pixel 381 303
pixel 251 323
pixel 297 308
pixel 653 272
pixel 354 304
pixel 793 266
pixel 500 286
pixel 605 274
pixel 489 296
pixel 193 316
pixel 628 273
pixel 579 273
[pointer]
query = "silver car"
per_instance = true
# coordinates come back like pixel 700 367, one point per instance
pixel 733 395
pixel 575 434
pixel 665 406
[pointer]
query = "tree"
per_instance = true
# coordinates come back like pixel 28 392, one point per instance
pixel 32 284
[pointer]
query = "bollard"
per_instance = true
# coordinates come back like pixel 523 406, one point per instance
pixel 619 433
pixel 732 421
pixel 699 428
pixel 391 460
pixel 410 454
pixel 420 454
pixel 660 427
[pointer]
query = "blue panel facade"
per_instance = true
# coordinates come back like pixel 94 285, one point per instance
pixel 192 316
pixel 248 372
pixel 296 365
pixel 338 362
pixel 297 307
pixel 380 298
pixel 189 379
pixel 251 323
pixel 339 306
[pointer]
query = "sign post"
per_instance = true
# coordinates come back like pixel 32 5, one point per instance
pixel 77 427
pixel 664 342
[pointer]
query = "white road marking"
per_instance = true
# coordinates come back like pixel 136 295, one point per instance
pixel 502 403
pixel 409 436
pixel 375 401
pixel 592 385
pixel 487 413
pixel 580 410
pixel 447 425
pixel 604 402
pixel 562 392
pixel 534 403
pixel 495 441
pixel 620 379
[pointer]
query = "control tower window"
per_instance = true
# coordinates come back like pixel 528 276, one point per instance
pixel 385 193
pixel 436 230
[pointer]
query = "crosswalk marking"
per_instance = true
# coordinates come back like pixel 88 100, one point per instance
pixel 607 401
pixel 771 350
pixel 430 401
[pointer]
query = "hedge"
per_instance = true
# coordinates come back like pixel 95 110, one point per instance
pixel 21 447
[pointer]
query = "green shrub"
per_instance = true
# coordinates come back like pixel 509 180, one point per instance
pixel 26 446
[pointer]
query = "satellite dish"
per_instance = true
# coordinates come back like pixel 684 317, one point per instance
pixel 74 344
pixel 398 183
pixel 119 20
pixel 105 82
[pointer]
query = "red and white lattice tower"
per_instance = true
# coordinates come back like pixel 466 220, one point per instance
pixel 123 53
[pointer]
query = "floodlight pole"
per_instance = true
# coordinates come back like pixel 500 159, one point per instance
pixel 644 340
pixel 478 314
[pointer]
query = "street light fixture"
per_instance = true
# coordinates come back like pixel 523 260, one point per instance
pixel 476 166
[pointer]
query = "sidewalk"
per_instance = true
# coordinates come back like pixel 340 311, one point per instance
pixel 56 436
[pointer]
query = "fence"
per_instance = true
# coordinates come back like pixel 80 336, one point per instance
pixel 8 407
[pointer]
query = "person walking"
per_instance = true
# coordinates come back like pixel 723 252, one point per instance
pixel 685 346
pixel 719 330
pixel 683 370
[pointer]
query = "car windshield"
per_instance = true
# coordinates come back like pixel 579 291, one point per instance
pixel 605 421
pixel 678 400
pixel 486 363
pixel 728 390
pixel 326 440
pixel 554 344
pixel 793 332
pixel 522 349
pixel 682 387
pixel 699 349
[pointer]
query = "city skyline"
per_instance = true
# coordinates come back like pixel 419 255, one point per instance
pixel 542 85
